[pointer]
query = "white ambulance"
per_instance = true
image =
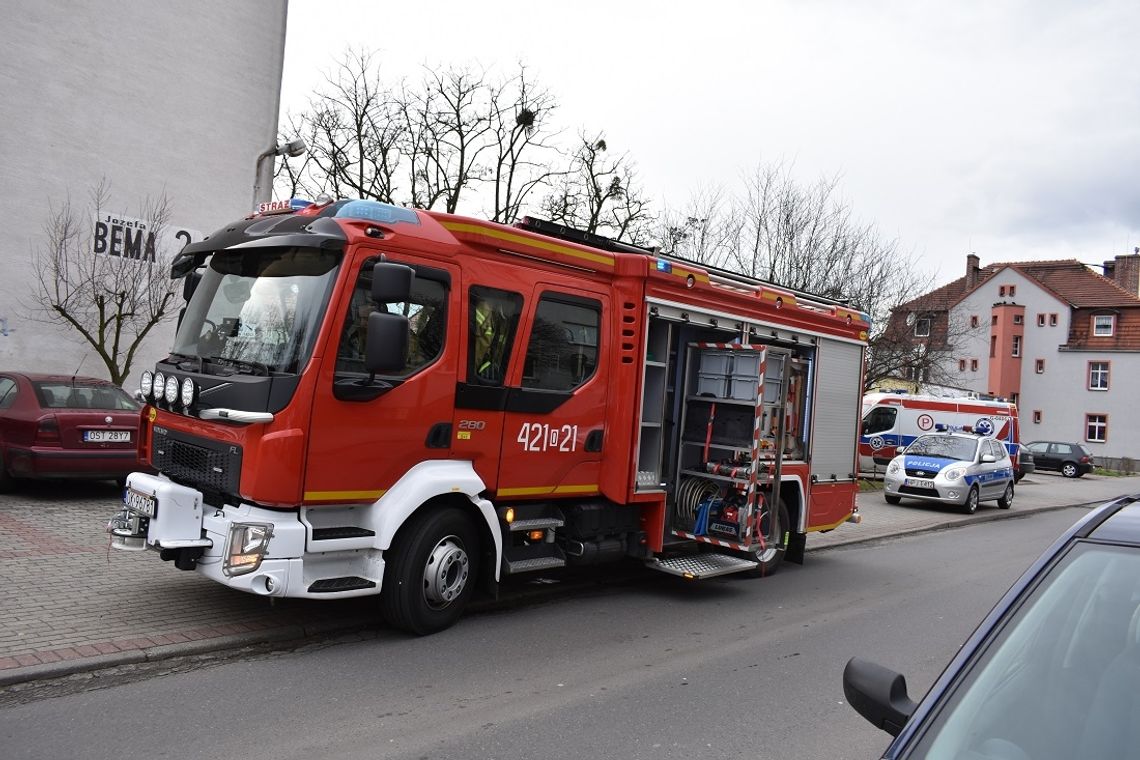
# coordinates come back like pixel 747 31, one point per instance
pixel 895 419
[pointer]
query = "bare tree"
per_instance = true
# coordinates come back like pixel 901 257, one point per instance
pixel 110 290
pixel 599 194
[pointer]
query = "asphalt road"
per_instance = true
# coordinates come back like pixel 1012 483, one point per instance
pixel 652 669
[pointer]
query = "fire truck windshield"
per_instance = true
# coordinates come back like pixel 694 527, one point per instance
pixel 257 311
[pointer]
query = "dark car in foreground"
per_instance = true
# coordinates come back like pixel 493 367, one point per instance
pixel 1052 672
pixel 1070 459
pixel 59 426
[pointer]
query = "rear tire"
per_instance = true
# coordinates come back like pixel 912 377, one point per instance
pixel 972 498
pixel 1006 500
pixel 1070 470
pixel 775 533
pixel 892 499
pixel 7 482
pixel 430 573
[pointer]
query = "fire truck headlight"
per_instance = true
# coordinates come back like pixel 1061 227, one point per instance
pixel 171 391
pixel 146 383
pixel 159 386
pixel 954 474
pixel 188 392
pixel 246 547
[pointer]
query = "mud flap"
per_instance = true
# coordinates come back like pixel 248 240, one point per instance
pixel 797 543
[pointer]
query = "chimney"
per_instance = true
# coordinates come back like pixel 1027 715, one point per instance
pixel 1125 271
pixel 973 269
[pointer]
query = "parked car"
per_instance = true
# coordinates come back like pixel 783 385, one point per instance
pixel 1025 464
pixel 1050 673
pixel 962 469
pixel 1071 459
pixel 59 426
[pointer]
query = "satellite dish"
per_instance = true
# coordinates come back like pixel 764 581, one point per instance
pixel 910 318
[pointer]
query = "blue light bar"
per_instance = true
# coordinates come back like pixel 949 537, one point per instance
pixel 375 211
pixel 664 266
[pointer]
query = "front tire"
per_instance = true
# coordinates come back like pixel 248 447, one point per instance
pixel 1069 470
pixel 1006 500
pixel 972 498
pixel 892 499
pixel 430 574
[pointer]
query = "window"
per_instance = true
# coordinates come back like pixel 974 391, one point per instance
pixel 1018 319
pixel 922 327
pixel 879 420
pixel 993 346
pixel 1052 320
pixel 1040 366
pixel 961 365
pixel 7 392
pixel 493 319
pixel 1037 416
pixel 993 320
pixel 426 310
pixel 1103 325
pixel 1001 291
pixel 1016 346
pixel 563 349
pixel 1098 376
pixel 1012 291
pixel 1096 427
pixel 1040 320
pixel 974 321
pixel 973 365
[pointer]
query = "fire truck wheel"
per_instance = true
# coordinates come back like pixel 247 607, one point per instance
pixel 972 498
pixel 430 573
pixel 775 541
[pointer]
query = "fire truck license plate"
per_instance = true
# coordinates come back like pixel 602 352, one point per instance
pixel 140 503
pixel 916 483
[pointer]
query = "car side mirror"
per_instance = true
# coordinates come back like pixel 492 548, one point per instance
pixel 878 694
pixel 900 450
pixel 988 458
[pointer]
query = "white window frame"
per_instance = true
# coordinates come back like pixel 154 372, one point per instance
pixel 1098 325
pixel 919 322
pixel 1016 351
pixel 1101 425
pixel 1098 378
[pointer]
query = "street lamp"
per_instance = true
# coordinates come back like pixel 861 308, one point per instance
pixel 263 172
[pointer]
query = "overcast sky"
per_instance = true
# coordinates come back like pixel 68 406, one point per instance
pixel 1010 129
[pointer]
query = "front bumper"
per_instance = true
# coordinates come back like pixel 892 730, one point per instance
pixel 941 491
pixel 183 525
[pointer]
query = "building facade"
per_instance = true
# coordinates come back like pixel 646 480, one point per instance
pixel 1055 337
pixel 150 99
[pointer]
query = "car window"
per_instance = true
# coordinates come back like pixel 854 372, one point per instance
pixel 7 392
pixel 65 395
pixel 1051 682
pixel 1063 449
pixel 1038 448
pixel 945 446
pixel 879 419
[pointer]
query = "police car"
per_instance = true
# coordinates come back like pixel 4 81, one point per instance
pixel 951 467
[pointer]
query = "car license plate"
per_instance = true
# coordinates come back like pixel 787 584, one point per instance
pixel 140 503
pixel 917 483
pixel 107 436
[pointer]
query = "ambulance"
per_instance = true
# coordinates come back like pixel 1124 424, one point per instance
pixel 896 419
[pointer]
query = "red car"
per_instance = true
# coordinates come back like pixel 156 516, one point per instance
pixel 59 426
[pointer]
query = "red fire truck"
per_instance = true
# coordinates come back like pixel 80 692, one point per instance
pixel 366 399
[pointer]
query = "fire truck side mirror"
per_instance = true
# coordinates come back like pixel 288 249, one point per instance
pixel 190 285
pixel 387 348
pixel 391 283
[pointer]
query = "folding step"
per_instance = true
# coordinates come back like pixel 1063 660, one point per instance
pixel 703 565
pixel 347 531
pixel 537 523
pixel 528 559
pixel 333 585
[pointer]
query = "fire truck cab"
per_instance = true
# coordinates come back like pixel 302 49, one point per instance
pixel 367 399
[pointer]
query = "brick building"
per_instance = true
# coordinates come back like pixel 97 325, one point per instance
pixel 1059 339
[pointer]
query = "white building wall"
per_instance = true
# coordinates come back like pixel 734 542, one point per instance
pixel 154 97
pixel 1061 391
